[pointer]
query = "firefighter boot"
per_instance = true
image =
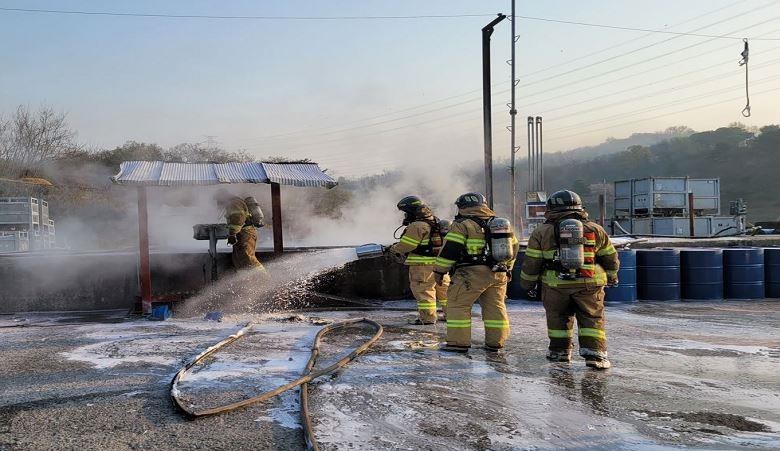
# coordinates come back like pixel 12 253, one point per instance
pixel 559 356
pixel 597 363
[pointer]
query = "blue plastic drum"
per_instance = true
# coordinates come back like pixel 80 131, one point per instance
pixel 702 273
pixel 514 290
pixel 658 274
pixel 744 273
pixel 772 271
pixel 626 289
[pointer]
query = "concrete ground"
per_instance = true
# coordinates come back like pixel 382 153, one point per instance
pixel 704 375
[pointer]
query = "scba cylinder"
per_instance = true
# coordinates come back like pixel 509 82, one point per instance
pixel 571 252
pixel 501 245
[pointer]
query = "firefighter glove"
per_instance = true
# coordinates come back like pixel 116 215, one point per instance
pixel 232 239
pixel 398 257
pixel 509 276
pixel 438 277
pixel 612 282
pixel 533 293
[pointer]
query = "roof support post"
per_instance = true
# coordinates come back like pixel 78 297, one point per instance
pixel 144 272
pixel 276 217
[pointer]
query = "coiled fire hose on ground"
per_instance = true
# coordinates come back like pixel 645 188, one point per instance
pixel 307 376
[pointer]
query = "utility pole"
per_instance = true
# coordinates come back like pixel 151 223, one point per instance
pixel 486 107
pixel 512 114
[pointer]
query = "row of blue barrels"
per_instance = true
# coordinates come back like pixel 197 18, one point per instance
pixel 691 274
pixel 698 274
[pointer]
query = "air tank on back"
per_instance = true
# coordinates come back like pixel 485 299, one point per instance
pixel 772 272
pixel 658 274
pixel 702 274
pixel 626 289
pixel 743 273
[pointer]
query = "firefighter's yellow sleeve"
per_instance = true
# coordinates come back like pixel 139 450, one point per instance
pixel 453 249
pixel 533 263
pixel 236 216
pixel 415 234
pixel 606 255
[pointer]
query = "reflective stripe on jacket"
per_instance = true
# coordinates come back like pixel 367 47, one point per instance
pixel 542 248
pixel 466 240
pixel 416 234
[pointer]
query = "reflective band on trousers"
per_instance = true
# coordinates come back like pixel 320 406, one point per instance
pixel 559 333
pixel 594 333
pixel 459 323
pixel 496 324
pixel 426 305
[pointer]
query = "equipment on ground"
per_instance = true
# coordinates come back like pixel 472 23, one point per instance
pixel 308 375
pixel 571 247
pixel 256 217
pixel 213 233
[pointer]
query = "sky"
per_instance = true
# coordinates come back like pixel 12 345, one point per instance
pixel 362 96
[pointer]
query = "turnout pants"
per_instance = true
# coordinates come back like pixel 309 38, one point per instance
pixel 587 305
pixel 244 250
pixel 469 285
pixel 426 291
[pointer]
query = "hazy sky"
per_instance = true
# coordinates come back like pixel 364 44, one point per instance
pixel 363 95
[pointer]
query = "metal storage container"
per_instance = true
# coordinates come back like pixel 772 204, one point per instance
pixel 680 226
pixel 666 196
pixel 743 273
pixel 658 274
pixel 702 273
pixel 772 272
pixel 626 289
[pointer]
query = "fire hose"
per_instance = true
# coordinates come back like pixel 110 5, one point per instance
pixel 303 381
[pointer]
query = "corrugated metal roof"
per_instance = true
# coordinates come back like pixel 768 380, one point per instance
pixel 159 173
pixel 298 174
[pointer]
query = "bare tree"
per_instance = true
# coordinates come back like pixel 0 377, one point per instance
pixel 28 138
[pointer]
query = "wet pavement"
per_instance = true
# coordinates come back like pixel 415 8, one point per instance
pixel 704 375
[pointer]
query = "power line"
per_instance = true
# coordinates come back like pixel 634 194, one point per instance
pixel 646 30
pixel 533 73
pixel 237 17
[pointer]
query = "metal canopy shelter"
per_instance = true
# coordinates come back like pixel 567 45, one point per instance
pixel 159 173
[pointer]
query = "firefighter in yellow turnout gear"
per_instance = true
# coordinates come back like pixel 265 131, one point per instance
pixel 242 232
pixel 418 245
pixel 476 276
pixel 566 293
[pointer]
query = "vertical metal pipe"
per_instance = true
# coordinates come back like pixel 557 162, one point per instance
pixel 145 270
pixel 487 112
pixel 512 114
pixel 276 217
pixel 213 252
pixel 531 154
pixel 540 149
pixel 691 218
pixel 602 210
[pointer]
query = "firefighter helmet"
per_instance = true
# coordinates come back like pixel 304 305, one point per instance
pixel 564 200
pixel 410 205
pixel 470 200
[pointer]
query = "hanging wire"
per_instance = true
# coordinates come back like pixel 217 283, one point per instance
pixel 744 62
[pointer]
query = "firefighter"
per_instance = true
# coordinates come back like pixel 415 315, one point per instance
pixel 569 292
pixel 242 228
pixel 476 275
pixel 417 249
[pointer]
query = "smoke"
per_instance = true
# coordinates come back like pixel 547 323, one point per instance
pixel 371 214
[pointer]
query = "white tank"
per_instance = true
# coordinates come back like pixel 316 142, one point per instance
pixel 501 246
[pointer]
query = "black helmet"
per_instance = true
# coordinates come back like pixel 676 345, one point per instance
pixel 564 200
pixel 410 204
pixel 470 200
